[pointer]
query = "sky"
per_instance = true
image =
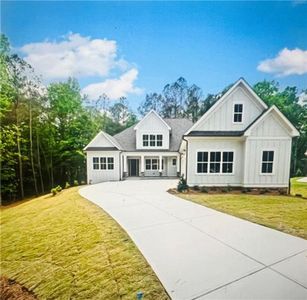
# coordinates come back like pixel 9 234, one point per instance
pixel 133 48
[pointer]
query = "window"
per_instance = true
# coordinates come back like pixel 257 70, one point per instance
pixel 159 140
pixel 96 163
pixel 202 162
pixel 267 162
pixel 145 140
pixel 174 161
pixel 152 140
pixel 103 163
pixel 227 165
pixel 237 113
pixel 152 164
pixel 110 163
pixel 215 162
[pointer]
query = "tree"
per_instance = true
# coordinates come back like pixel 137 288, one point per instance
pixel 194 96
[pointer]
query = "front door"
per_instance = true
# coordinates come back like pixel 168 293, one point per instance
pixel 133 165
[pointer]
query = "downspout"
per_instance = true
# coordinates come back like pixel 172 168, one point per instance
pixel 186 159
pixel 120 165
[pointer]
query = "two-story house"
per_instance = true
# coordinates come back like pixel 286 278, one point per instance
pixel 239 141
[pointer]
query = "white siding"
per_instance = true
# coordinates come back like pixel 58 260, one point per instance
pixel 281 165
pixel 95 176
pixel 221 117
pixel 215 145
pixel 152 125
pixel 100 141
pixel 270 127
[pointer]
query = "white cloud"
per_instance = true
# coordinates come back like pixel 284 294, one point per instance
pixel 83 57
pixel 114 88
pixel 287 62
pixel 302 99
pixel 75 56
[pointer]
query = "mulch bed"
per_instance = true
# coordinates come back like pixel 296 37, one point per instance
pixel 12 290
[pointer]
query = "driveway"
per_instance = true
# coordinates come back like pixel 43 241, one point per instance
pixel 199 253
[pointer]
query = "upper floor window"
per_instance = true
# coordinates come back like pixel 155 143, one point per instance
pixel 215 162
pixel 152 140
pixel 145 140
pixel 238 113
pixel 267 162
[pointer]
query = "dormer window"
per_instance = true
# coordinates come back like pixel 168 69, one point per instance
pixel 145 140
pixel 238 113
pixel 152 140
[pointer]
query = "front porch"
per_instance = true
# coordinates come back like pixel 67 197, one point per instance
pixel 151 165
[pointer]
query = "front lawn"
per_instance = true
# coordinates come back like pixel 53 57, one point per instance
pixel 287 214
pixel 65 247
pixel 298 187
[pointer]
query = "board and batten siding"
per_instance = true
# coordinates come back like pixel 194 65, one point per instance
pixel 214 179
pixel 96 176
pixel 221 117
pixel 266 136
pixel 152 125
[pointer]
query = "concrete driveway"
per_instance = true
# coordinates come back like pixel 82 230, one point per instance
pixel 199 253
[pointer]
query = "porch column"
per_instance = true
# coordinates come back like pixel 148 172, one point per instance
pixel 125 165
pixel 142 165
pixel 178 164
pixel 160 165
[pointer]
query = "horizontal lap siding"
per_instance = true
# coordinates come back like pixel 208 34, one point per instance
pixel 95 176
pixel 215 179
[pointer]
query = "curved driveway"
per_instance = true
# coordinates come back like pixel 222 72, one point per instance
pixel 199 253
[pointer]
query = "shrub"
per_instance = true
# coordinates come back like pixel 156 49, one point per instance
pixel 244 190
pixel 67 185
pixel 196 188
pixel 224 190
pixel 56 190
pixel 204 189
pixel 76 182
pixel 182 185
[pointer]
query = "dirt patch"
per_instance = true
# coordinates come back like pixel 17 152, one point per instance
pixel 12 290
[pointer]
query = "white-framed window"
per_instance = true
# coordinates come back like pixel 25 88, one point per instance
pixel 267 162
pixel 238 113
pixel 152 164
pixel 145 140
pixel 174 161
pixel 110 163
pixel 152 140
pixel 215 162
pixel 96 163
pixel 103 163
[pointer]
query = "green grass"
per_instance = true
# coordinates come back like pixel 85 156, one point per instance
pixel 298 187
pixel 287 214
pixel 65 247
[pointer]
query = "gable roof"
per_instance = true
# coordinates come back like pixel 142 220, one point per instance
pixel 292 130
pixel 91 145
pixel 127 138
pixel 220 101
pixel 148 114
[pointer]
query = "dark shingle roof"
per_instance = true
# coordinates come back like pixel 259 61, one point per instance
pixel 127 138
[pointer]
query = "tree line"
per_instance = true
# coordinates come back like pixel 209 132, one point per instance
pixel 45 128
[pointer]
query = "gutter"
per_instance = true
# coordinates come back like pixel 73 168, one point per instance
pixel 186 159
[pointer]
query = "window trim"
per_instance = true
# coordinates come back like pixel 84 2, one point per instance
pixel 107 164
pixel 145 134
pixel 274 160
pixel 158 164
pixel 174 159
pixel 221 162
pixel 155 140
pixel 233 113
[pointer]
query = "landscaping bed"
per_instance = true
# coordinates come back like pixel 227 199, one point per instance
pixel 63 247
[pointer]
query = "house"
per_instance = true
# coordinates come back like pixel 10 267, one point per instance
pixel 239 141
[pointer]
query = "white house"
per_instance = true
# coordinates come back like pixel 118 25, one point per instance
pixel 239 141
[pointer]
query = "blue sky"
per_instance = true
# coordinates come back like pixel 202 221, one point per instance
pixel 145 45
